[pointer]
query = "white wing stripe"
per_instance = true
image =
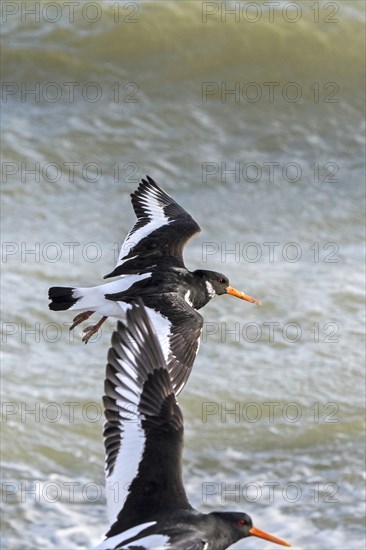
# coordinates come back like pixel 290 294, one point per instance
pixel 162 327
pixel 112 542
pixel 129 370
pixel 132 442
pixel 125 468
pixel 140 234
pixel 155 211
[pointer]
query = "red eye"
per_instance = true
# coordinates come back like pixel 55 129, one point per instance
pixel 241 522
pixel 221 280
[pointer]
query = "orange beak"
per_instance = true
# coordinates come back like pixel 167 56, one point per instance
pixel 231 290
pixel 263 535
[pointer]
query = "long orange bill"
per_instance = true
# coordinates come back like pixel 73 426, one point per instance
pixel 231 290
pixel 263 535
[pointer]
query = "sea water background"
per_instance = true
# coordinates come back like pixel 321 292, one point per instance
pixel 135 93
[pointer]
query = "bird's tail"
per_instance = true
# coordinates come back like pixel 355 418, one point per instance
pixel 62 297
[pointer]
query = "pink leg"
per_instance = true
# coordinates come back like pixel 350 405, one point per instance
pixel 80 318
pixel 92 330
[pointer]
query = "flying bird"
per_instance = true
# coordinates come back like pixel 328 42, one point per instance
pixel 143 434
pixel 151 267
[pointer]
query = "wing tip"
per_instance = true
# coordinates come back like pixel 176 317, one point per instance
pixel 144 183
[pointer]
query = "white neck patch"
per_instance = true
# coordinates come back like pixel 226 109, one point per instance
pixel 210 289
pixel 187 298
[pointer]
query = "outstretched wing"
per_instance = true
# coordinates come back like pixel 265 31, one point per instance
pixel 144 537
pixel 162 230
pixel 178 327
pixel 144 428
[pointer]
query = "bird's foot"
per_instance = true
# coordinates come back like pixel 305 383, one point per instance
pixel 89 331
pixel 80 318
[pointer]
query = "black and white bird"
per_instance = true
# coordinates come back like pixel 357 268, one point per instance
pixel 143 434
pixel 151 267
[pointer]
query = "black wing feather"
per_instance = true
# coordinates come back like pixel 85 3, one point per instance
pixel 163 245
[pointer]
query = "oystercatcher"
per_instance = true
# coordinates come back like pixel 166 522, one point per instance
pixel 143 436
pixel 151 267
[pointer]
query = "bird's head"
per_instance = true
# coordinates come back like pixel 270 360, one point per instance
pixel 217 284
pixel 240 525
